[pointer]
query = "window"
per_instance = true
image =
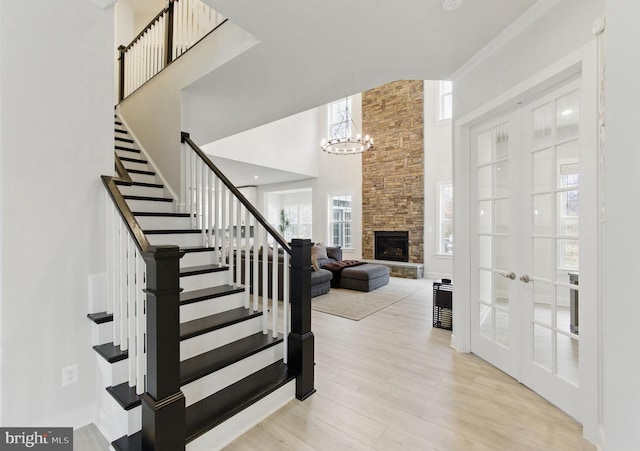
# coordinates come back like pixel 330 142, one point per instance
pixel 445 98
pixel 445 215
pixel 300 218
pixel 340 222
pixel 339 125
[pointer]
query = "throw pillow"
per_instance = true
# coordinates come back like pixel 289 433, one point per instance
pixel 318 252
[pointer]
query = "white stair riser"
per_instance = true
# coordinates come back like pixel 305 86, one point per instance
pixel 200 281
pixel 198 258
pixel 126 153
pixel 200 309
pixel 111 374
pixel 214 382
pixel 234 427
pixel 150 206
pixel 101 333
pixel 163 222
pixel 143 178
pixel 217 338
pixel 139 165
pixel 141 191
pixel 178 239
pixel 127 422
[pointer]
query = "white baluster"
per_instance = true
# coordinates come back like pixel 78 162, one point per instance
pixel 115 301
pixel 205 202
pixel 216 220
pixel 131 309
pixel 223 224
pixel 232 244
pixel 274 296
pixel 254 279
pixel 124 343
pixel 199 193
pixel 110 213
pixel 141 324
pixel 265 282
pixel 238 242
pixel 247 268
pixel 285 303
pixel 211 191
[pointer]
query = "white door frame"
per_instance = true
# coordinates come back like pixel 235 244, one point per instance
pixel 583 61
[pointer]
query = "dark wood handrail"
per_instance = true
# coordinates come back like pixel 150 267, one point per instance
pixel 121 170
pixel 153 21
pixel 127 216
pixel 243 200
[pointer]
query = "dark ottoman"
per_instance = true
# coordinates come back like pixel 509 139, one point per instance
pixel 365 277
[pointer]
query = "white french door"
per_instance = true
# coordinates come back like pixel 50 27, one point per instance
pixel 526 202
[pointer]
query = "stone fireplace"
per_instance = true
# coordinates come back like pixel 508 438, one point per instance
pixel 393 171
pixel 393 246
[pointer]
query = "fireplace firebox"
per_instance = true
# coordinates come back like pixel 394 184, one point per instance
pixel 392 246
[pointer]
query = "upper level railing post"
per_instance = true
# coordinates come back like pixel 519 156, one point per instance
pixel 122 50
pixel 301 340
pixel 168 43
pixel 163 404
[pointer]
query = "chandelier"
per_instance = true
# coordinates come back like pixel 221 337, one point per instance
pixel 341 141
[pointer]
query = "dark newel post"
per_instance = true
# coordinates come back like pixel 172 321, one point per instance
pixel 301 347
pixel 163 404
pixel 168 43
pixel 122 50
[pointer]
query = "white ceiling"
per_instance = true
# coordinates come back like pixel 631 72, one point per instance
pixel 313 52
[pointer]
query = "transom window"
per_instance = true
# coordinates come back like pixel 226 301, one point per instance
pixel 339 125
pixel 445 100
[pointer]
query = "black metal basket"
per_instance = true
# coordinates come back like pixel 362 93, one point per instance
pixel 442 304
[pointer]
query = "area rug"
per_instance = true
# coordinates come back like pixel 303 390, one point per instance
pixel 356 305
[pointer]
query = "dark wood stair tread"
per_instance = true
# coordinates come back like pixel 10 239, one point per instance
pixel 171 231
pixel 209 362
pixel 191 249
pixel 219 407
pixel 125 396
pixel 202 269
pixel 128 149
pixel 218 321
pixel 150 198
pixel 145 184
pixel 111 353
pixel 133 160
pixel 188 297
pixel 100 317
pixel 160 214
pixel 129 442
pixel 119 130
pixel 140 171
pixel 126 140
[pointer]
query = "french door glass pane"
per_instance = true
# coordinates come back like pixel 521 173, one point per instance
pixel 542 302
pixel 542 126
pixel 563 316
pixel 502 179
pixel 568 255
pixel 485 182
pixel 542 171
pixel 502 251
pixel 485 251
pixel 484 217
pixel 568 203
pixel 542 214
pixel 486 321
pixel 486 286
pixel 542 346
pixel 485 148
pixel 502 326
pixel 502 216
pixel 501 134
pixel 567 116
pixel 568 358
pixel 543 261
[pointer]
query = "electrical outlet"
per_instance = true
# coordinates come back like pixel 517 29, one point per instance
pixel 69 375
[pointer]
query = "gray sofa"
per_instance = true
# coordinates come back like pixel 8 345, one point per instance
pixel 365 277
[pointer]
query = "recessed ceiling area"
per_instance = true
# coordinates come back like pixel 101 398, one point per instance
pixel 246 174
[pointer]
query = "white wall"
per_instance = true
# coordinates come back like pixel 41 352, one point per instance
pixel 56 104
pixel 438 141
pixel 621 309
pixel 287 144
pixel 157 112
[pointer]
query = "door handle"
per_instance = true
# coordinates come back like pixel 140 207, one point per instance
pixel 510 275
pixel 525 278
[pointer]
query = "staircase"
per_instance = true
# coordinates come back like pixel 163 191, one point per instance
pixel 230 365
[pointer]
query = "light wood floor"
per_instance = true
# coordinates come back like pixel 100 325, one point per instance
pixel 392 382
